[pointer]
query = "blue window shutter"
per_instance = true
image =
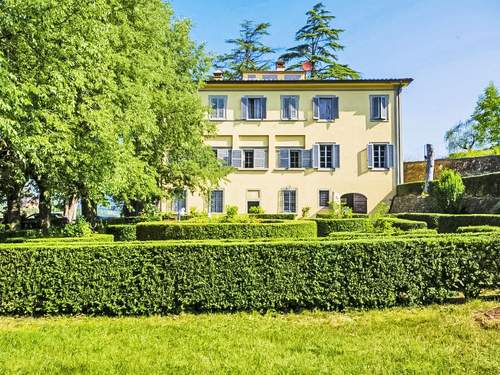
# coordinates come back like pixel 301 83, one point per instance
pixel 306 158
pixel 335 107
pixel 263 103
pixel 315 108
pixel 336 156
pixel 244 105
pixel 315 156
pixel 369 150
pixel 389 162
pixel 284 158
pixel 236 158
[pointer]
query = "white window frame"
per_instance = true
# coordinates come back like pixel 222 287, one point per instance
pixel 380 144
pixel 283 210
pixel 253 149
pixel 222 203
pixel 319 198
pixel 282 101
pixel 379 119
pixel 253 97
pixel 331 145
pixel 332 98
pixel 224 101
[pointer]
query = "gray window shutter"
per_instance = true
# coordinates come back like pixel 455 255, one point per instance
pixel 259 158
pixel 335 107
pixel 369 150
pixel 315 156
pixel 306 158
pixel 336 156
pixel 375 108
pixel 316 108
pixel 281 200
pixel 383 107
pixel 294 107
pixel 236 158
pixel 389 161
pixel 263 103
pixel 223 154
pixel 284 102
pixel 284 158
pixel 244 105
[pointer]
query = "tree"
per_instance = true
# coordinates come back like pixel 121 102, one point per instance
pixel 462 137
pixel 319 44
pixel 487 116
pixel 448 191
pixel 248 53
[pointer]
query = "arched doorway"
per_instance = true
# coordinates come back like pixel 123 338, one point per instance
pixel 357 202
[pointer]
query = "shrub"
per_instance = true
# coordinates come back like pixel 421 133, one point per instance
pixel 122 232
pixel 192 231
pixel 256 210
pixel 231 214
pixel 163 278
pixel 449 223
pixel 61 240
pixel 305 211
pixel 275 216
pixel 478 228
pixel 448 191
pixel 81 228
pixel 404 224
pixel 327 226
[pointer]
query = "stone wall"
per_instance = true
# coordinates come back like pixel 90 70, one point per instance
pixel 419 203
pixel 415 170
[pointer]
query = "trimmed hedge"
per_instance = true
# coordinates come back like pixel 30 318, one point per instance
pixel 164 277
pixel 198 231
pixel 446 223
pixel 404 224
pixel 51 240
pixel 486 184
pixel 327 226
pixel 478 228
pixel 326 214
pixel 122 232
pixel 274 216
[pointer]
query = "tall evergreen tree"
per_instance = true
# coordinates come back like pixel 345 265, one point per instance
pixel 487 116
pixel 319 44
pixel 249 52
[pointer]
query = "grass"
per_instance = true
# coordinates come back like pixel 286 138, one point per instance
pixel 437 339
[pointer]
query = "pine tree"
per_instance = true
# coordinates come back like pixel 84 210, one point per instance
pixel 487 116
pixel 319 45
pixel 248 53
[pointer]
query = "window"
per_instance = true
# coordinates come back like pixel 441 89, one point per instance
pixel 324 198
pixel 289 201
pixel 292 77
pixel 269 77
pixel 248 161
pixel 217 201
pixel 218 107
pixel 325 107
pixel 289 107
pixel 380 156
pixel 223 154
pixel 326 156
pixel 378 107
pixel 253 108
pixel 251 77
pixel 179 202
pixel 295 161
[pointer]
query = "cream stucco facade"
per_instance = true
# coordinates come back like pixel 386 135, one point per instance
pixel 352 171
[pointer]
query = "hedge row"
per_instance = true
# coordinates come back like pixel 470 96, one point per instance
pixel 445 223
pixel 274 216
pixel 190 231
pixel 160 278
pixel 122 232
pixel 326 214
pixel 487 184
pixel 327 226
pixel 479 228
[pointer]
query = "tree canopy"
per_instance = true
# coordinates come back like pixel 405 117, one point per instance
pixel 249 53
pixel 100 98
pixel 487 116
pixel 319 43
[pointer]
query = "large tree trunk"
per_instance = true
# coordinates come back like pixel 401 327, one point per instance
pixel 13 213
pixel 70 206
pixel 44 204
pixel 89 210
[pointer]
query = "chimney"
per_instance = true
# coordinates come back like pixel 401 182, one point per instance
pixel 280 65
pixel 218 75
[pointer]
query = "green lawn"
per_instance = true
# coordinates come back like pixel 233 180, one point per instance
pixel 437 339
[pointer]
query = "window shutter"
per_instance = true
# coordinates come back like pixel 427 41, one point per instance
pixel 284 103
pixel 383 107
pixel 223 154
pixel 335 107
pixel 315 108
pixel 315 156
pixel 369 150
pixel 259 158
pixel 284 158
pixel 244 105
pixel 336 156
pixel 389 161
pixel 263 103
pixel 236 158
pixel 281 200
pixel 306 158
pixel 221 107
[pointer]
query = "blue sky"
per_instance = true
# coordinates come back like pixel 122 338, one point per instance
pixel 450 47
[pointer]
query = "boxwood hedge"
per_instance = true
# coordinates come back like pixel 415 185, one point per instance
pixel 327 226
pixel 447 223
pixel 190 231
pixel 479 228
pixel 122 232
pixel 164 277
